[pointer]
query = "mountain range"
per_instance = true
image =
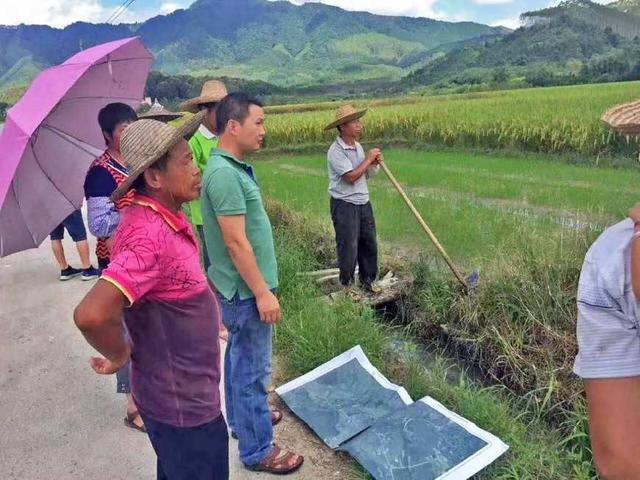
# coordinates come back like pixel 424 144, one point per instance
pixel 577 41
pixel 277 42
pixel 275 45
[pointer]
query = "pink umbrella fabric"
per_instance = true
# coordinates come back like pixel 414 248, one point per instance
pixel 51 136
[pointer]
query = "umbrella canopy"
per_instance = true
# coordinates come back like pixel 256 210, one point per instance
pixel 52 135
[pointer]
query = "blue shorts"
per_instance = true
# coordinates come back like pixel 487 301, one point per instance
pixel 74 225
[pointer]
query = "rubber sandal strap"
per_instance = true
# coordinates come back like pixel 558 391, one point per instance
pixel 278 463
pixel 129 421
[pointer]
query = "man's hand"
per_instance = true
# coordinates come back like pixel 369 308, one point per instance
pixel 373 155
pixel 269 308
pixel 104 366
pixel 379 159
pixel 634 213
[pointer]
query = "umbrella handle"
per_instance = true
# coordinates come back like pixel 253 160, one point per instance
pixel 424 226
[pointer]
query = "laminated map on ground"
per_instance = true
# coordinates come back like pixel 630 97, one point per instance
pixel 351 406
pixel 424 441
pixel 341 398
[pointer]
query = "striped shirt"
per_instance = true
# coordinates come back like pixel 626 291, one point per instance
pixel 103 177
pixel 609 344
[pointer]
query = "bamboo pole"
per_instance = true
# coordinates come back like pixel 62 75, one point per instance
pixel 424 226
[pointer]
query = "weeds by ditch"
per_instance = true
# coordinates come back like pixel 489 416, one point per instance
pixel 516 330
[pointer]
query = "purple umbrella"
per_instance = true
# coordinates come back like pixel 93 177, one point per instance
pixel 51 136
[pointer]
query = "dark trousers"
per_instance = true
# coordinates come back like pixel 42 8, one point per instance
pixel 192 453
pixel 356 241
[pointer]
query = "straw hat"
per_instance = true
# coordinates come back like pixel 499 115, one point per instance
pixel 145 141
pixel 345 114
pixel 212 91
pixel 624 118
pixel 158 112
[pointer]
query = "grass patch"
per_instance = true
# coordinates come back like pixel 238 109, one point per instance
pixel 527 224
pixel 479 206
pixel 315 331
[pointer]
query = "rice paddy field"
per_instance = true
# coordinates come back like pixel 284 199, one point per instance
pixel 477 203
pixel 548 120
pixel 524 219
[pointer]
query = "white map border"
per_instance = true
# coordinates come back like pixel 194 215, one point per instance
pixel 479 460
pixel 356 353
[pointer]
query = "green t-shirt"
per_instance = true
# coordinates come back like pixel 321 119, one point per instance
pixel 201 148
pixel 229 188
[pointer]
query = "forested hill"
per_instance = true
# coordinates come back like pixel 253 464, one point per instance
pixel 277 42
pixel 576 42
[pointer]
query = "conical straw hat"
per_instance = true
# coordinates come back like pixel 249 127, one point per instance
pixel 624 118
pixel 145 141
pixel 212 91
pixel 345 114
pixel 158 112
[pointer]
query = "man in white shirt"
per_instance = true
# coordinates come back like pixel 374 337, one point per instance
pixel 351 212
pixel 608 359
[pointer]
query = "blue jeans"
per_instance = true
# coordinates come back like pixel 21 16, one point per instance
pixel 247 375
pixel 193 453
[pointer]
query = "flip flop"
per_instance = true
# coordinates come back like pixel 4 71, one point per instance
pixel 129 422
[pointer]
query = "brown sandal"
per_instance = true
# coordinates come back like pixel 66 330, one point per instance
pixel 129 421
pixel 278 462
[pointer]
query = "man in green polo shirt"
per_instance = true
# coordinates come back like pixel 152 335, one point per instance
pixel 244 271
pixel 201 144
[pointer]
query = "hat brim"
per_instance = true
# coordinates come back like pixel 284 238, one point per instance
pixel 624 118
pixel 192 104
pixel 185 131
pixel 161 117
pixel 346 119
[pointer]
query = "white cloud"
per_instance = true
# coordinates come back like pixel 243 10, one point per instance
pixel 555 3
pixel 169 7
pixel 412 8
pixel 56 13
pixel 60 13
pixel 512 22
pixel 492 2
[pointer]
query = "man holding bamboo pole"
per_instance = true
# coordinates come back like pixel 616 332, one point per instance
pixel 351 212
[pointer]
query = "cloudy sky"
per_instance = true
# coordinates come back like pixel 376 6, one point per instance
pixel 59 13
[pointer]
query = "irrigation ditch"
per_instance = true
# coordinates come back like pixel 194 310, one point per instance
pixel 507 347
